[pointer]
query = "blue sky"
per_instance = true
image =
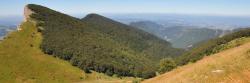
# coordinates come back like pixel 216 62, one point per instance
pixel 204 7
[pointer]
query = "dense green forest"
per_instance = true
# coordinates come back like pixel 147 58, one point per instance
pixel 100 44
pixel 211 46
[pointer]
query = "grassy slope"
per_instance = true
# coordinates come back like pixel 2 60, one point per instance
pixel 229 66
pixel 22 61
pixel 96 77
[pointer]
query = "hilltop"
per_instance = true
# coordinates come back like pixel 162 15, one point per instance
pixel 22 57
pixel 48 43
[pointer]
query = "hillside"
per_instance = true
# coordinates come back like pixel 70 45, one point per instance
pixel 136 39
pixel 21 60
pixel 99 43
pixel 210 47
pixel 229 66
pixel 179 36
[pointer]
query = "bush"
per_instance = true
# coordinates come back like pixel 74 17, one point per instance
pixel 167 64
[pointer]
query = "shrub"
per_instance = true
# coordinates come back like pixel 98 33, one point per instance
pixel 167 64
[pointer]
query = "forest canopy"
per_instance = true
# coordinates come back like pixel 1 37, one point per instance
pixel 101 44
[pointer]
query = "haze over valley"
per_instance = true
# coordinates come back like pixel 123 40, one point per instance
pixel 180 30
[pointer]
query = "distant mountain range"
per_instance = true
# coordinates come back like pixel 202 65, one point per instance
pixel 180 36
pixel 202 21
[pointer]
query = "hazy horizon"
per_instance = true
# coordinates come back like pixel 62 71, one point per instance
pixel 211 21
pixel 220 13
pixel 190 7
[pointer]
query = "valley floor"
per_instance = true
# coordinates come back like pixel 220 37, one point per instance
pixel 229 66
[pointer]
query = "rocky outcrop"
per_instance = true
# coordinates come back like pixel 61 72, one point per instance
pixel 27 13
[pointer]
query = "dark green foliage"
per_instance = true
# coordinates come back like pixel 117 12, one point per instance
pixel 167 64
pixel 100 44
pixel 207 48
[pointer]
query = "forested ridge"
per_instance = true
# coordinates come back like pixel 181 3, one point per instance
pixel 180 36
pixel 211 46
pixel 100 44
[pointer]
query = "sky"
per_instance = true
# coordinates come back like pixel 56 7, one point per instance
pixel 200 7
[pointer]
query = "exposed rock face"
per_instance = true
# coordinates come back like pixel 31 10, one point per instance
pixel 27 13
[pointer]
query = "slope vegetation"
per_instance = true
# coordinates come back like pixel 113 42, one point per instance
pixel 229 66
pixel 100 44
pixel 211 47
pixel 21 60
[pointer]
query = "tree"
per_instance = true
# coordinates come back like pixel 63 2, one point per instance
pixel 167 64
pixel 100 44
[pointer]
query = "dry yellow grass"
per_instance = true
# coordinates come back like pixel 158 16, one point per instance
pixel 95 77
pixel 21 60
pixel 229 66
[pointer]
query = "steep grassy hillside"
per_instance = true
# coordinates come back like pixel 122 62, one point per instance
pixel 21 60
pixel 100 44
pixel 229 66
